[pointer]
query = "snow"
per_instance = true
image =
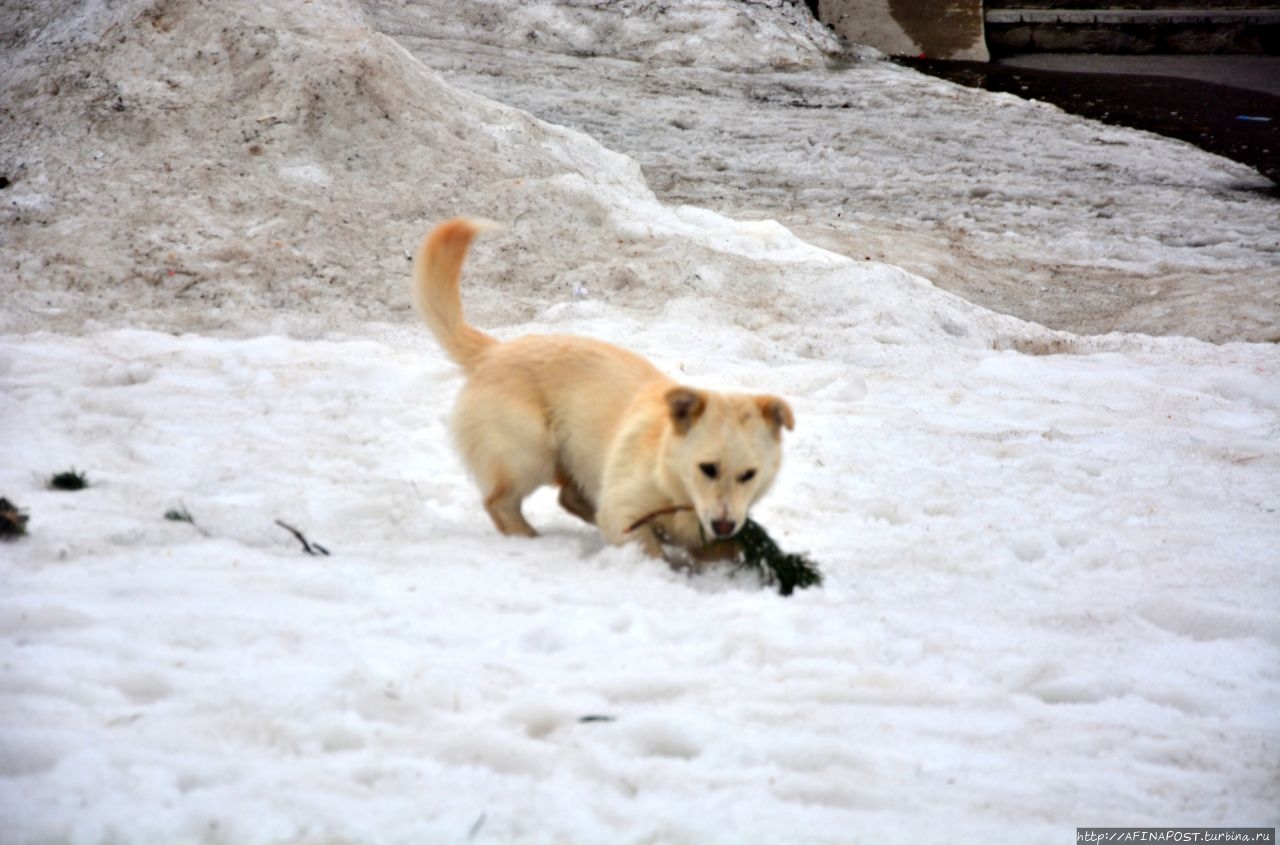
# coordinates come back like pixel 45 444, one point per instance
pixel 958 185
pixel 1050 558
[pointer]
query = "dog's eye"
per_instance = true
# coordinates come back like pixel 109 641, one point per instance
pixel 709 470
pixel 746 476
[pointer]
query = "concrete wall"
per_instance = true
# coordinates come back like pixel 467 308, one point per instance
pixel 938 29
pixel 1137 5
pixel 1178 26
pixel 956 29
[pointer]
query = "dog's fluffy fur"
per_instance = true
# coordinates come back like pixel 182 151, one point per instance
pixel 632 451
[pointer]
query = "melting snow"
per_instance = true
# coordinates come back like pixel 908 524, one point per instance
pixel 1050 558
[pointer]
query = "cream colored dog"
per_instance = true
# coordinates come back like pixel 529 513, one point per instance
pixel 633 452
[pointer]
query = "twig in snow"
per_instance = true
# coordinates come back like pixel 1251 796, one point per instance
pixel 309 548
pixel 181 514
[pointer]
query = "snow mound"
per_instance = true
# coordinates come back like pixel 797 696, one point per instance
pixel 283 159
pixel 738 34
pixel 959 186
pixel 283 155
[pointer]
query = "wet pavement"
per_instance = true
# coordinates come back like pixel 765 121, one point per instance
pixel 1227 105
pixel 1254 72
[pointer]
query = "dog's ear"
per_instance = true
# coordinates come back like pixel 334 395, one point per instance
pixel 685 405
pixel 776 413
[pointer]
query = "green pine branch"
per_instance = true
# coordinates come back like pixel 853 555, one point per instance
pixel 758 551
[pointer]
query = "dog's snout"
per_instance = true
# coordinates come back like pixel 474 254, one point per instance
pixel 723 527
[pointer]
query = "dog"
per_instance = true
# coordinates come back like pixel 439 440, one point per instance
pixel 643 458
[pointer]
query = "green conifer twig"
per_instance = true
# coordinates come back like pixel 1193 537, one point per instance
pixel 756 550
pixel 69 480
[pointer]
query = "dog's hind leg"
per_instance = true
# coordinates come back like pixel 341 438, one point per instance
pixel 508 449
pixel 503 506
pixel 505 484
pixel 507 478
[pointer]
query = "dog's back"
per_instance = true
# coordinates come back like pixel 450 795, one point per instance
pixel 537 410
pixel 578 389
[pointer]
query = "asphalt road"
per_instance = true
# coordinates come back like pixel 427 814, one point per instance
pixel 1256 73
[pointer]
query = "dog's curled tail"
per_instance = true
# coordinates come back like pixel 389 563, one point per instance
pixel 437 270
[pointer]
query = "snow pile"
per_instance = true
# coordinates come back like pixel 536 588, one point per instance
pixel 957 185
pixel 1050 560
pixel 250 163
pixel 741 34
pixel 264 156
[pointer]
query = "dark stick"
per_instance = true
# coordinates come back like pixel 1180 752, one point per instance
pixel 652 516
pixel 309 548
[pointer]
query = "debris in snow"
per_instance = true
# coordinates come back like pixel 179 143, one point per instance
pixel 311 548
pixel 757 551
pixel 180 514
pixel 69 480
pixel 13 522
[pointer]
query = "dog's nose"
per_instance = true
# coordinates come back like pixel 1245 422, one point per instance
pixel 723 527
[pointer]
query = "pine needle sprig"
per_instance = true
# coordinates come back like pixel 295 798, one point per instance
pixel 758 551
pixel 69 480
pixel 751 548
pixel 180 514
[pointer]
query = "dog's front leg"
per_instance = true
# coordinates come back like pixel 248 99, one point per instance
pixel 616 526
pixel 648 541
